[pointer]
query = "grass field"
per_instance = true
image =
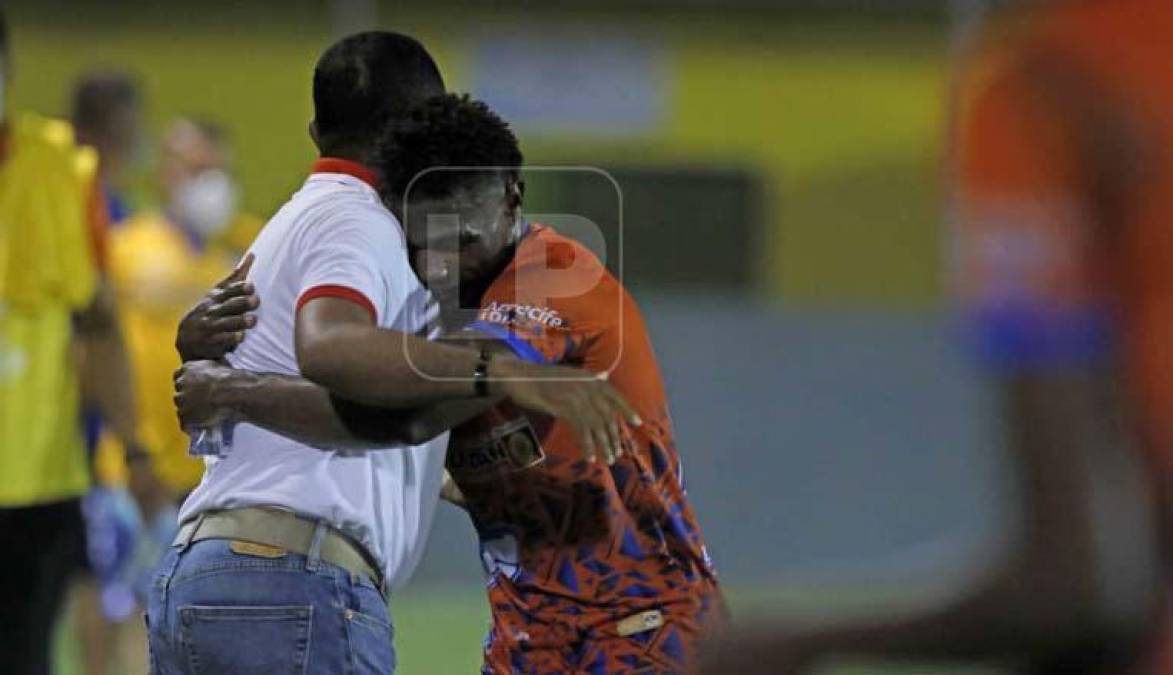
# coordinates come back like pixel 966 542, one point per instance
pixel 439 632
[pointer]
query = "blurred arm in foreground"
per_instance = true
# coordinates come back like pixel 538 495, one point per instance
pixel 1062 209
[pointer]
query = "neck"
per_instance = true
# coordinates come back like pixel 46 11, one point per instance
pixel 352 154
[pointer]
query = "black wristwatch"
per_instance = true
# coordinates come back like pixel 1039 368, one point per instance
pixel 480 376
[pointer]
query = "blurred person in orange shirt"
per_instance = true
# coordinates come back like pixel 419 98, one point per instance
pixel 1063 198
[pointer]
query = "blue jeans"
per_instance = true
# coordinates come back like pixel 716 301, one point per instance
pixel 213 610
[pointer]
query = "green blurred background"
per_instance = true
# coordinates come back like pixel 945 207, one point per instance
pixel 825 129
pixel 835 118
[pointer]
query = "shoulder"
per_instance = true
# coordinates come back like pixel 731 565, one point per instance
pixel 52 145
pixel 338 218
pixel 544 248
pixel 556 281
pixel 553 265
pixel 52 132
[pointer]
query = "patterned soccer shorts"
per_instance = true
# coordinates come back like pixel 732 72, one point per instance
pixel 652 642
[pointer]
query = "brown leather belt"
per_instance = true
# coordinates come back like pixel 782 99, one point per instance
pixel 284 530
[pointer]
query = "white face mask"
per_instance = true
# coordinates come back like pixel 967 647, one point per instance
pixel 206 203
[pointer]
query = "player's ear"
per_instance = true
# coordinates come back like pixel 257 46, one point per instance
pixel 516 191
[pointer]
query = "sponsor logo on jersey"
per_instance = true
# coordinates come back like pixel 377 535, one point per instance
pixel 511 312
pixel 512 446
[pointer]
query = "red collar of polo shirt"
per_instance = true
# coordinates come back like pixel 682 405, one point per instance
pixel 348 167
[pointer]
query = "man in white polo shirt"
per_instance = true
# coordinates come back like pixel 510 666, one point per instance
pixel 286 550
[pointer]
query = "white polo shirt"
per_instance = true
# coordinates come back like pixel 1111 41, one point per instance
pixel 332 238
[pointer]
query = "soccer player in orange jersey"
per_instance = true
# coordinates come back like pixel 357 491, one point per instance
pixel 595 567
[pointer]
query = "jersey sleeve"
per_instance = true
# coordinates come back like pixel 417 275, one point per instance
pixel 353 258
pixel 549 312
pixel 1029 268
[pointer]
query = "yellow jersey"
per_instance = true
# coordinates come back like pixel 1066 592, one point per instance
pixel 48 271
pixel 158 274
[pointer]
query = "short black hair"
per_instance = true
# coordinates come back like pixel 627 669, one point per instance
pixel 98 94
pixel 445 131
pixel 366 80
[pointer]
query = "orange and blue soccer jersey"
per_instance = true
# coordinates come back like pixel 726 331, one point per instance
pixel 591 568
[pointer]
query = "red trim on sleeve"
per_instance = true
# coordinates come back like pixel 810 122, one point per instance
pixel 342 292
pixel 348 167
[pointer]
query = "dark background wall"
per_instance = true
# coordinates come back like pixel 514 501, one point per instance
pixel 820 446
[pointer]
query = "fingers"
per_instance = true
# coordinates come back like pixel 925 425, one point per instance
pixel 240 273
pixel 601 422
pixel 181 409
pixel 608 429
pixel 603 442
pixel 620 405
pixel 598 413
pixel 228 342
pixel 235 305
pixel 586 441
pixel 222 294
pixel 245 266
pixel 587 425
pixel 593 408
pixel 226 320
pixel 233 324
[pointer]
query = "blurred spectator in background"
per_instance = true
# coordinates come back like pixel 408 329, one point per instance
pixel 199 193
pixel 162 261
pixel 1063 200
pixel 108 116
pixel 59 341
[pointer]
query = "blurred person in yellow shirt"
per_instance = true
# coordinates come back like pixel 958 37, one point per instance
pixel 59 341
pixel 162 261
